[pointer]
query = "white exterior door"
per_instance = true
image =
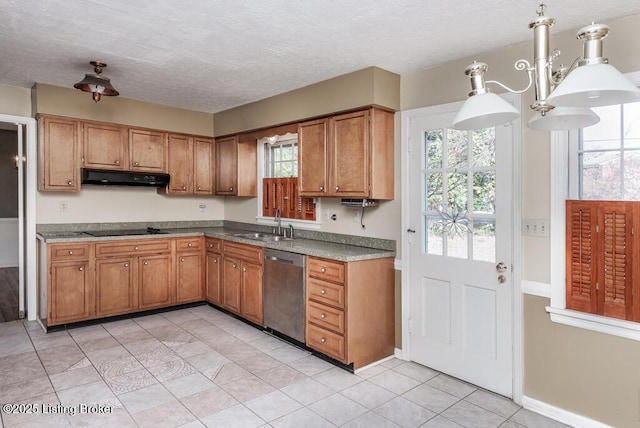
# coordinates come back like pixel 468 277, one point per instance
pixel 460 233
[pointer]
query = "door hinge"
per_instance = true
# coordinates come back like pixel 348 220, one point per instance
pixel 410 329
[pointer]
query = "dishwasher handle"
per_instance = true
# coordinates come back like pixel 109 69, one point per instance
pixel 284 257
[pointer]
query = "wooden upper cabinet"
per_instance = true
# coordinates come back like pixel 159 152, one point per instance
pixel 313 137
pixel 104 146
pixel 227 166
pixel 349 155
pixel 203 166
pixel 59 154
pixel 147 150
pixel 180 149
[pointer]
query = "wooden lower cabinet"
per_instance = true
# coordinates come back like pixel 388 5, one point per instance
pixel 242 270
pixel 71 292
pixel 213 271
pixel 350 309
pixel 116 290
pixel 156 288
pixel 189 281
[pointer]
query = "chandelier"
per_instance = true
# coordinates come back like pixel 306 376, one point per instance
pixel 563 96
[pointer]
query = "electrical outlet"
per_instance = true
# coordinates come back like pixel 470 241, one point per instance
pixel 202 207
pixel 63 206
pixel 535 227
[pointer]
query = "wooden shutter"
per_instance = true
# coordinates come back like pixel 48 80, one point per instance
pixel 615 220
pixel 282 193
pixel 580 256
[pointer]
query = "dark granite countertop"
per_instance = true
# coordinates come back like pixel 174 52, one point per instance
pixel 341 251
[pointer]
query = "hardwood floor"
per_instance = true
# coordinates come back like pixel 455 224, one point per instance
pixel 8 294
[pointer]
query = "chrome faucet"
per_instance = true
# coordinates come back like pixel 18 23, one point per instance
pixel 278 220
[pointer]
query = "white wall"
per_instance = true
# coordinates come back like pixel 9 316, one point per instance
pixel 8 242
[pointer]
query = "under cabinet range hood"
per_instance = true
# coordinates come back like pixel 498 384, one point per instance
pixel 123 178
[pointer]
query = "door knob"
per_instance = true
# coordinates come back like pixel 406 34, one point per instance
pixel 502 279
pixel 501 267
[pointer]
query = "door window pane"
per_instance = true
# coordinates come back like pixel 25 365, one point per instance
pixel 433 149
pixel 457 148
pixel 484 240
pixel 484 147
pixel 484 192
pixel 434 191
pixel 434 236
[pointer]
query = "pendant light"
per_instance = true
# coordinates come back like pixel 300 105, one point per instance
pixel 97 84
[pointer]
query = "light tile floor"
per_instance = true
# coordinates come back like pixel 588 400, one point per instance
pixel 199 367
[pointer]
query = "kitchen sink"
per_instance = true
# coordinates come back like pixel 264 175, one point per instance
pixel 267 237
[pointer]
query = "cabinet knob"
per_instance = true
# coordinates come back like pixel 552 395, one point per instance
pixel 81 268
pixel 145 262
pixel 136 164
pixel 231 189
pixel 182 259
pixel 71 253
pixel 199 188
pixel 323 269
pixel 337 188
pixel 215 260
pixel 126 265
pixel 135 248
pixel 323 291
pixel 210 245
pixel 189 244
pixel 323 316
pixel 235 266
pixel 70 183
pixel 321 188
pixel 244 268
pixel 117 162
pixel 184 187
pixel 323 340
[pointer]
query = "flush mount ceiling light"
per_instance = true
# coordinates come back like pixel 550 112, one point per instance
pixel 562 96
pixel 97 84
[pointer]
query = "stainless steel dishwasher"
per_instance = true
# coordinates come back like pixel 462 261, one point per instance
pixel 284 293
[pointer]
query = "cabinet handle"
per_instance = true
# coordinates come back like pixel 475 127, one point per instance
pixel 337 188
pixel 210 245
pixel 135 248
pixel 323 316
pixel 182 259
pixel 199 188
pixel 189 244
pixel 145 262
pixel 117 162
pixel 323 340
pixel 184 187
pixel 321 188
pixel 244 268
pixel 231 189
pixel 81 268
pixel 323 291
pixel 70 183
pixel 234 266
pixel 215 260
pixel 71 253
pixel 126 265
pixel 323 269
pixel 136 164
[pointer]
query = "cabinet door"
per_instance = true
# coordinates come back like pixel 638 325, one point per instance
pixel 103 146
pixel 203 166
pixel 71 294
pixel 155 284
pixel 213 278
pixel 59 154
pixel 115 286
pixel 312 158
pixel 180 164
pixel 349 163
pixel 252 307
pixel 146 150
pixel 226 166
pixel 231 277
pixel 189 284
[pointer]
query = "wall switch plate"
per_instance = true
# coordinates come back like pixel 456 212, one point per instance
pixel 535 227
pixel 63 206
pixel 202 207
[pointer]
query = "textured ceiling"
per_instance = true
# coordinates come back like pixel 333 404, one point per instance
pixel 211 55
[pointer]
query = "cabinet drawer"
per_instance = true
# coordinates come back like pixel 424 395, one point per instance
pixel 326 342
pixel 147 246
pixel 325 292
pixel 213 245
pixel 328 270
pixel 249 253
pixel 189 244
pixel 61 252
pixel 326 317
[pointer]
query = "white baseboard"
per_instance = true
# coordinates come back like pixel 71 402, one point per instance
pixel 399 354
pixel 560 415
pixel 8 264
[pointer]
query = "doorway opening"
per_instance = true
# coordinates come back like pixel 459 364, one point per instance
pixel 9 224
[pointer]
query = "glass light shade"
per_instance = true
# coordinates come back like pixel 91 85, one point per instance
pixel 593 85
pixel 563 119
pixel 484 111
pixel 94 83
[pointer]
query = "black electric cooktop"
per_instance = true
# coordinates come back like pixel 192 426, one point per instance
pixel 126 232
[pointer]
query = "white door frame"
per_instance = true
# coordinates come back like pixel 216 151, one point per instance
pixel 405 144
pixel 27 220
